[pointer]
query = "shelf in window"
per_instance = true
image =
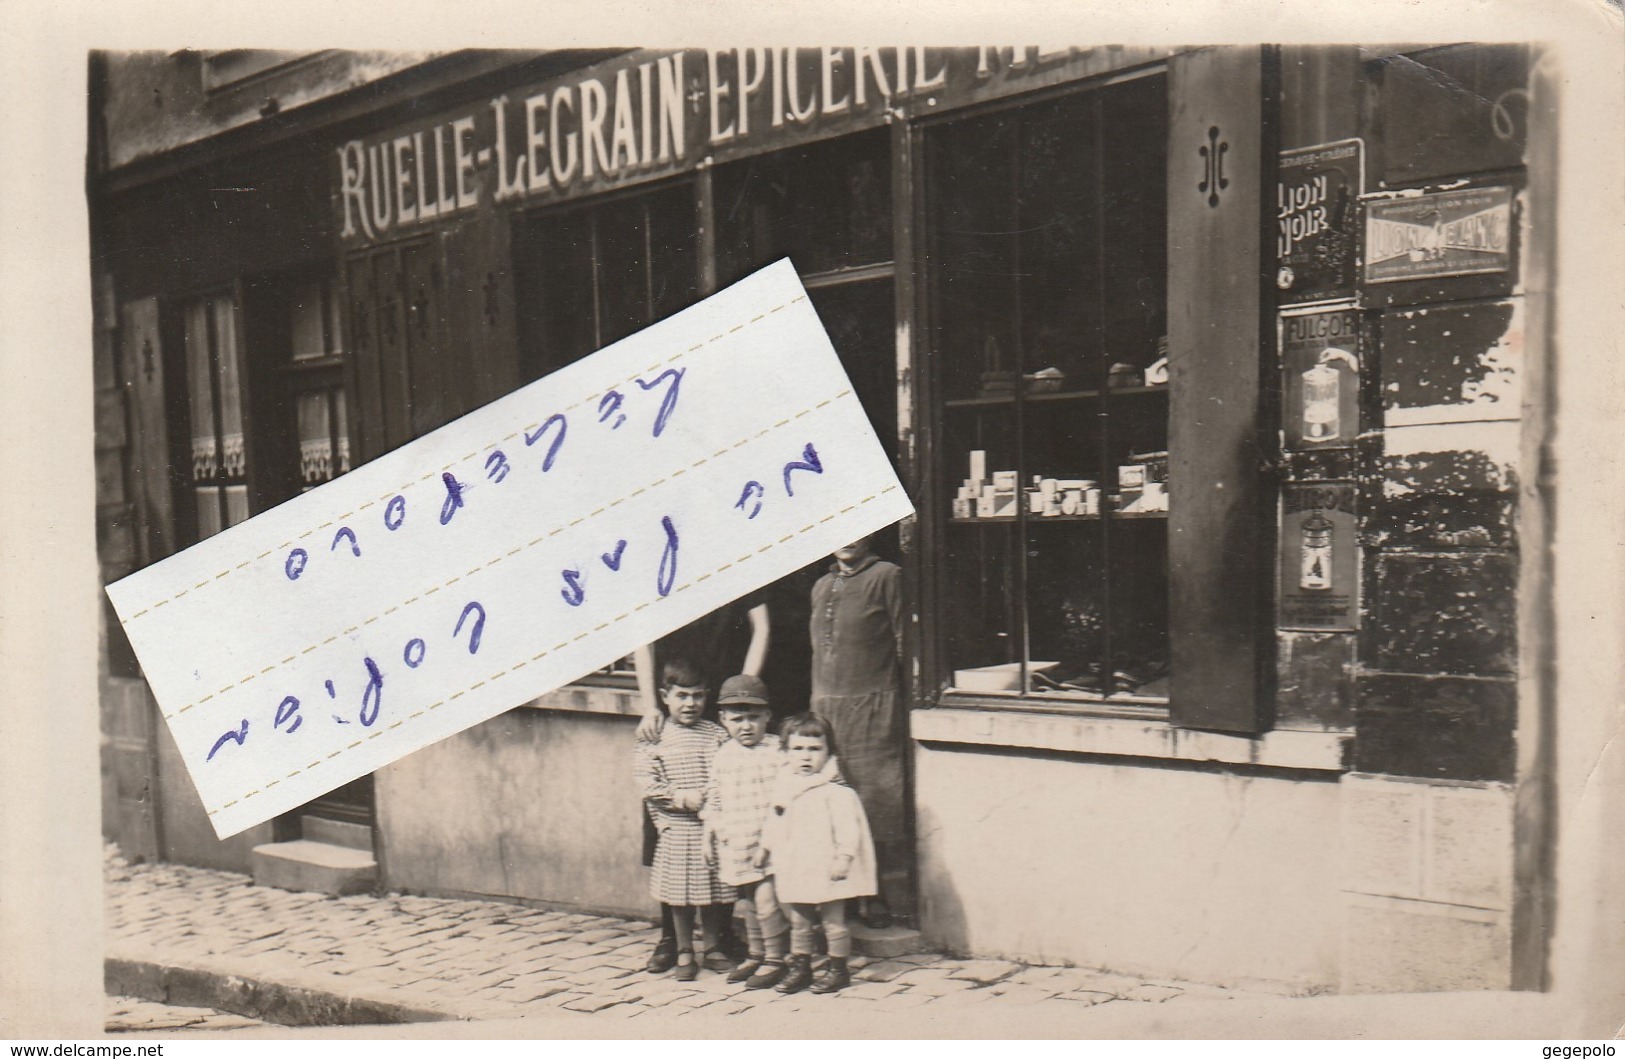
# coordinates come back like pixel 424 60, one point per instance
pixel 836 277
pixel 324 362
pixel 1122 704
pixel 1115 517
pixel 996 399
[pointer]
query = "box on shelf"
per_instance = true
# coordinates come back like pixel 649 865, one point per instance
pixel 1004 677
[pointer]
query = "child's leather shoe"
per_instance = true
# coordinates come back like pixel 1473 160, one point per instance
pixel 798 976
pixel 745 970
pixel 770 974
pixel 834 977
pixel 687 972
pixel 663 958
pixel 716 961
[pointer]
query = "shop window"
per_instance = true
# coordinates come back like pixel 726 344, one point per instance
pixel 316 381
pixel 826 206
pixel 214 388
pixel 1046 278
pixel 587 276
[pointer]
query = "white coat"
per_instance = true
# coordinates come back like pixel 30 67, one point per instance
pixel 811 820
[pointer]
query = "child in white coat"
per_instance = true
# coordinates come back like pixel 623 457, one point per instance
pixel 817 845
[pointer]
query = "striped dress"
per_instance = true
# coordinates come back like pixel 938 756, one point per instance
pixel 680 761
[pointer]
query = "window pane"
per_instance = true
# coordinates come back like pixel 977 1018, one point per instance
pixel 623 277
pixel 229 365
pixel 308 322
pixel 1047 280
pixel 341 419
pixel 970 185
pixel 236 504
pixel 214 398
pixel 825 206
pixel 200 393
pixel 587 277
pixel 315 440
pixel 208 510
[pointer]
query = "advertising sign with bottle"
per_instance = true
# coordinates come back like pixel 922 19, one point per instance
pixel 1320 356
pixel 1319 558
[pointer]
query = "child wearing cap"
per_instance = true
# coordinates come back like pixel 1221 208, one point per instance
pixel 736 804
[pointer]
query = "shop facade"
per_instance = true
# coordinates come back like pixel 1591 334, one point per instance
pixel 1214 375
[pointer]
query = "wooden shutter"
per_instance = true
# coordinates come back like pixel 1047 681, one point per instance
pixel 1218 537
pixel 364 323
pixel 142 357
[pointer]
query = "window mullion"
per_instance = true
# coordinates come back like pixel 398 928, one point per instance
pixel 597 293
pixel 211 329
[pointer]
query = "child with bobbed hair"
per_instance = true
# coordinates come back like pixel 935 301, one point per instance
pixel 816 844
pixel 672 774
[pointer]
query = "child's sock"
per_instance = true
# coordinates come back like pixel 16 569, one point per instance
pixel 668 930
pixel 710 922
pixel 835 932
pixel 682 919
pixel 753 931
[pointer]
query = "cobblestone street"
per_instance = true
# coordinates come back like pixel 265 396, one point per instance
pixel 131 1014
pixel 190 936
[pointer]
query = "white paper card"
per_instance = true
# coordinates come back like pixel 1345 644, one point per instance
pixel 509 552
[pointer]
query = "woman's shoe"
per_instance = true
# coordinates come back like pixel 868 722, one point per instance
pixel 745 970
pixel 835 977
pixel 687 969
pixel 797 977
pixel 770 974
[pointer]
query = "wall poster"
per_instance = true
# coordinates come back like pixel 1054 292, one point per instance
pixel 1320 363
pixel 1317 197
pixel 1319 558
pixel 1445 233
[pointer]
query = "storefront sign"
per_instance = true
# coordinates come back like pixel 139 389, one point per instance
pixel 1320 558
pixel 1446 233
pixel 1320 361
pixel 539 538
pixel 649 114
pixel 1317 218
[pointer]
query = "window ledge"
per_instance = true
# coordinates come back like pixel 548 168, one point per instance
pixel 589 698
pixel 1129 737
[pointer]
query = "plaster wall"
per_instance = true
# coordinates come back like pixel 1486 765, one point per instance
pixel 1196 873
pixel 533 804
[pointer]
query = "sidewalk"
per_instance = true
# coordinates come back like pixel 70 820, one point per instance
pixel 194 937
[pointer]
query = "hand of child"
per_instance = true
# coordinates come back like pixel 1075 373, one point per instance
pixel 758 859
pixel 708 843
pixel 839 868
pixel 649 728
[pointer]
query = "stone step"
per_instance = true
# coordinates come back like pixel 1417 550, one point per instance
pixel 886 942
pixel 336 832
pixel 319 867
